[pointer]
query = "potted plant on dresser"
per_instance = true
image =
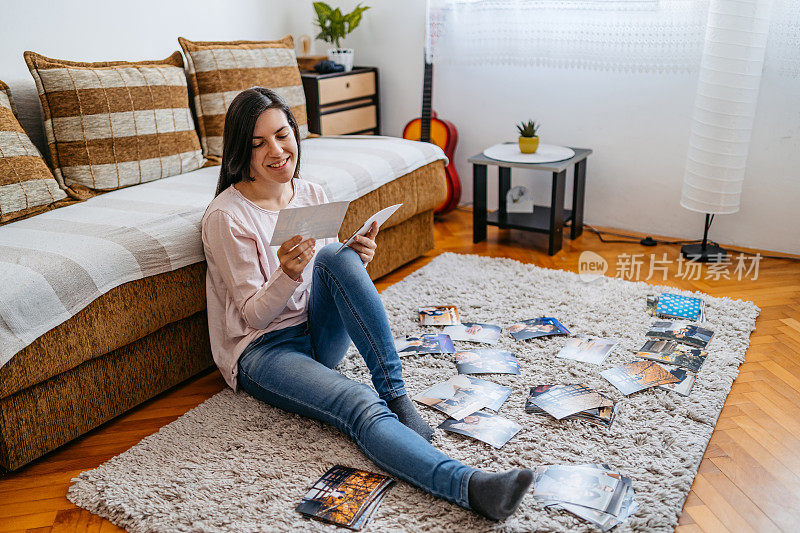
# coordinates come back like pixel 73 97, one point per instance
pixel 335 26
pixel 528 140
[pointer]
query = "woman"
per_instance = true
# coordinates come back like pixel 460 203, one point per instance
pixel 280 319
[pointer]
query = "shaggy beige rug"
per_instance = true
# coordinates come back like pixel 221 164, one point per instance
pixel 235 464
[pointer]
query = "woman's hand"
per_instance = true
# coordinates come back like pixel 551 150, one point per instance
pixel 295 254
pixel 365 245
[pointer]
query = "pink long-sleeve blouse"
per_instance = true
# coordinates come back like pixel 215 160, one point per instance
pixel 247 292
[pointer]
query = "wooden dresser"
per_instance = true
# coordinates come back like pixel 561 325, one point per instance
pixel 343 102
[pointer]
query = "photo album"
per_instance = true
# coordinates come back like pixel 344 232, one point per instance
pixel 600 416
pixel 683 332
pixel 593 492
pixel 345 496
pixel 560 401
pixel 668 352
pixel 669 305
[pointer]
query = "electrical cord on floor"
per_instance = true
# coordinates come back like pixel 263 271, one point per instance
pixel 649 241
pixel 636 240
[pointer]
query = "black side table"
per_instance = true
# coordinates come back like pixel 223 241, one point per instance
pixel 544 219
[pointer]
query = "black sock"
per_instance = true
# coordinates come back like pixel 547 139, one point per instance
pixel 497 496
pixel 408 415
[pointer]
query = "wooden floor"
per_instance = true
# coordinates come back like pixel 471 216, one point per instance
pixel 749 479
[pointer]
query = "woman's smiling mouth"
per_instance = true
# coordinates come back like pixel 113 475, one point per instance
pixel 279 164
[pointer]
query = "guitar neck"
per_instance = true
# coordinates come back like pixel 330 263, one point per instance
pixel 427 91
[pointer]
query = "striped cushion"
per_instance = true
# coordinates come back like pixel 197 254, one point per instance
pixel 218 71
pixel 114 124
pixel 27 186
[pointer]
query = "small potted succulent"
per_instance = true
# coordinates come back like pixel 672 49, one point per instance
pixel 528 140
pixel 333 27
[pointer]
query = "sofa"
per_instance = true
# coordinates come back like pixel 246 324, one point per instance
pixel 140 335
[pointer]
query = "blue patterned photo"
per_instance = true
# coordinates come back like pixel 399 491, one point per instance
pixel 677 306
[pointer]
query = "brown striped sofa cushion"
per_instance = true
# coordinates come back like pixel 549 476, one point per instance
pixel 27 186
pixel 219 70
pixel 114 124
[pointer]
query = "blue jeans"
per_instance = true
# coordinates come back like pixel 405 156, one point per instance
pixel 292 369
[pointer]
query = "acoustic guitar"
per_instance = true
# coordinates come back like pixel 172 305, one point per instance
pixel 429 128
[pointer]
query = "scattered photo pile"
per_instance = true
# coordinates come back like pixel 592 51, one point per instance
pixel 439 315
pixel 537 327
pixel 345 496
pixel 602 415
pixel 491 429
pixel 428 343
pixel 682 332
pixel 560 401
pixel 669 352
pixel 587 349
pixel 474 332
pixel 669 305
pixel 686 377
pixel 637 376
pixel 593 492
pixel 462 395
pixel 486 361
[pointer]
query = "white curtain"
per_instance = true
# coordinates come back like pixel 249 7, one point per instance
pixel 658 36
pixel 623 35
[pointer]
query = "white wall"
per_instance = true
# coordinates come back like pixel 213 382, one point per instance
pixel 638 125
pixel 95 30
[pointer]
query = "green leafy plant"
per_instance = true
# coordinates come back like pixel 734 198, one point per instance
pixel 528 129
pixel 333 24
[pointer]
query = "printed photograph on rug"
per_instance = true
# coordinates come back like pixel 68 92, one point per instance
pixel 494 393
pixel 439 315
pixel 637 376
pixel 474 332
pixel 652 304
pixel 491 429
pixel 690 359
pixel 682 332
pixel 587 349
pixel 579 485
pixel 486 361
pixel 427 343
pixel 657 346
pixel 672 305
pixel 563 400
pixel 457 397
pixel 686 377
pixel 537 327
pixel 345 496
pixel 600 416
pixel 603 520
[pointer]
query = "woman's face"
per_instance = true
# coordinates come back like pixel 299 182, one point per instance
pixel 274 156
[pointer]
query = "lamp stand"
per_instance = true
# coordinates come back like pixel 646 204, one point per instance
pixel 704 252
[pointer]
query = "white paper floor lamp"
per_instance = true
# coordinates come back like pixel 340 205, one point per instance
pixel 725 106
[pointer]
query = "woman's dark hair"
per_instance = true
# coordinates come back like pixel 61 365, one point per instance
pixel 240 122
